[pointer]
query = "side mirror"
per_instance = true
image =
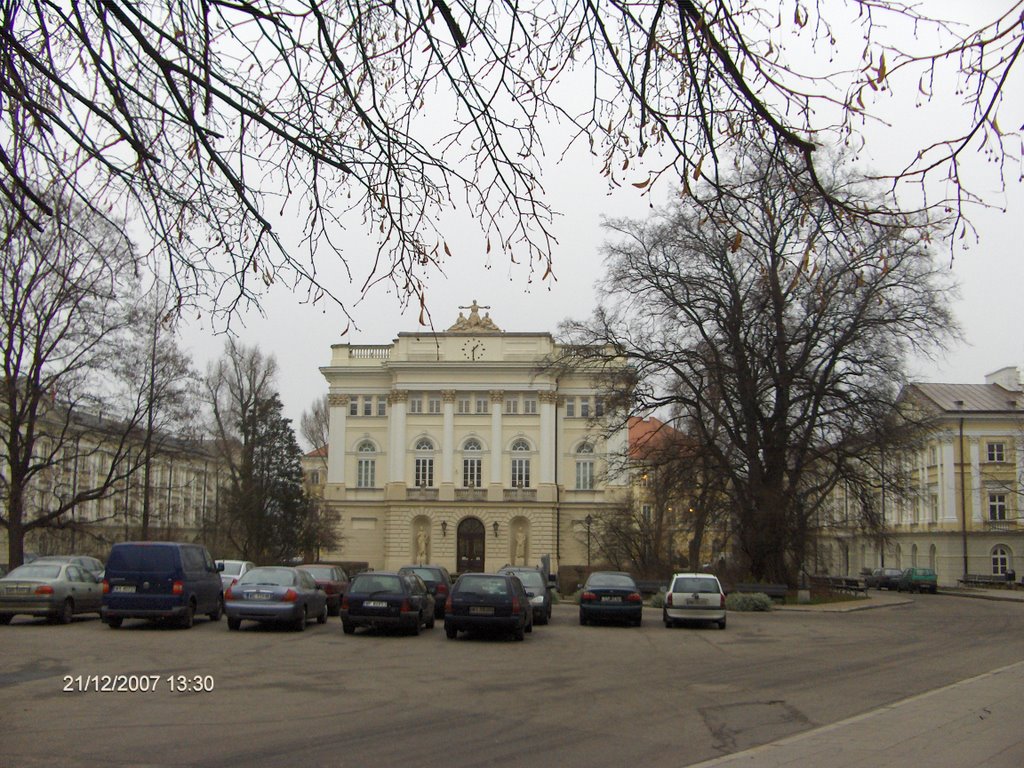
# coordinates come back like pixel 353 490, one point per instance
pixel 220 567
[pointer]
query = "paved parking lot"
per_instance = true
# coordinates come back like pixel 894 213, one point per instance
pixel 567 696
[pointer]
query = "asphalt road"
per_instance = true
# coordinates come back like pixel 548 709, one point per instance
pixel 567 696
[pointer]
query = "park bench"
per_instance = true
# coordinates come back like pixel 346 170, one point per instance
pixel 983 580
pixel 774 591
pixel 840 584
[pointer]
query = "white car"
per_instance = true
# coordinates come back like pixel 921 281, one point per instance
pixel 234 570
pixel 694 597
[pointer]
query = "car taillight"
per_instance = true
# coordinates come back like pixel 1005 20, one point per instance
pixel 228 594
pixel 448 604
pixel 44 589
pixel 722 602
pixel 405 606
pixel 106 587
pixel 178 588
pixel 290 596
pixel 233 582
pixel 515 604
pixel 442 589
pixel 635 598
pixel 344 602
pixel 668 600
pixel 588 597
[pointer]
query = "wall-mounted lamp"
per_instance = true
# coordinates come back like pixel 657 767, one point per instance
pixel 444 527
pixel 495 526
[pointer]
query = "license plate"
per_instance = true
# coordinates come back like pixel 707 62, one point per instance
pixel 123 588
pixel 260 595
pixel 479 610
pixel 694 601
pixel 375 604
pixel 611 599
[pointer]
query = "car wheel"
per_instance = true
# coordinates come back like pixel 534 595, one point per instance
pixel 67 612
pixel 430 622
pixel 934 590
pixel 189 618
pixel 5 618
pixel 529 627
pixel 450 632
pixel 415 630
pixel 234 623
pixel 583 619
pixel 638 622
pixel 721 624
pixel 219 611
pixel 348 627
pixel 321 617
pixel 114 623
pixel 520 633
pixel 334 610
pixel 300 623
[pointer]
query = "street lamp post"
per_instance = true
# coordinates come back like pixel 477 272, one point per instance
pixel 589 521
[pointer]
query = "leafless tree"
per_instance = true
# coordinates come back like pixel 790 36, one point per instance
pixel 315 423
pixel 778 328
pixel 62 293
pixel 212 122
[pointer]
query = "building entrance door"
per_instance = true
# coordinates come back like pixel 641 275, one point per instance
pixel 471 540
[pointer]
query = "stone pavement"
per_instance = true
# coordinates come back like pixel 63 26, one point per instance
pixel 975 723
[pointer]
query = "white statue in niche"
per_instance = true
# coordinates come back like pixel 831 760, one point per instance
pixel 422 542
pixel 519 558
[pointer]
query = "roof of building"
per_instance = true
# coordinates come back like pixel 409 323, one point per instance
pixel 969 398
pixel 650 435
pixel 317 453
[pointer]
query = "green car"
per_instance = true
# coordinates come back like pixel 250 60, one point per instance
pixel 917 580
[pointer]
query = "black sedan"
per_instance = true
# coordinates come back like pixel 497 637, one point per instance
pixel 386 599
pixel 883 578
pixel 275 594
pixel 490 602
pixel 611 596
pixel 438 583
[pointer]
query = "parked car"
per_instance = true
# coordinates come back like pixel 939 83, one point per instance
pixel 332 579
pixel 694 597
pixel 494 602
pixel 91 564
pixel 160 580
pixel 276 593
pixel 883 578
pixel 918 580
pixel 387 599
pixel 536 585
pixel 232 570
pixel 611 596
pixel 53 589
pixel 438 581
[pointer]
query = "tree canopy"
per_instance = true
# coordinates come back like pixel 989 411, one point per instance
pixel 213 123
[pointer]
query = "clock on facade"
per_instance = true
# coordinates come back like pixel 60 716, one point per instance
pixel 473 349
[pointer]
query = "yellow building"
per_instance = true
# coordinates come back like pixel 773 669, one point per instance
pixel 961 512
pixel 464 449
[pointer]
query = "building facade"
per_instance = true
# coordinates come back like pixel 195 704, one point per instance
pixel 465 448
pixel 962 513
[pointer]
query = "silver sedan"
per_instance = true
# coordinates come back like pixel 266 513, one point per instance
pixel 53 589
pixel 275 594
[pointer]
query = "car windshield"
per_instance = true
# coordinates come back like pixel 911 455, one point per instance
pixel 694 584
pixel 370 584
pixel 482 585
pixel 530 579
pixel 275 577
pixel 324 573
pixel 611 580
pixel 427 574
pixel 34 572
pixel 232 568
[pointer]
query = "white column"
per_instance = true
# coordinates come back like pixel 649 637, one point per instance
pixel 336 438
pixel 448 438
pixel 976 479
pixel 396 436
pixel 547 437
pixel 497 442
pixel 948 497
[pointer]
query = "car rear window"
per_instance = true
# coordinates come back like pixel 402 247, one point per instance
pixel 427 574
pixel 35 572
pixel 482 585
pixel 611 580
pixel 694 584
pixel 530 579
pixel 232 569
pixel 278 577
pixel 141 558
pixel 325 573
pixel 376 583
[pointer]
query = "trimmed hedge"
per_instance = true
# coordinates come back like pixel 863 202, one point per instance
pixel 748 601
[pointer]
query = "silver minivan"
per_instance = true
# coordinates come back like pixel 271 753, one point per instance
pixel 694 597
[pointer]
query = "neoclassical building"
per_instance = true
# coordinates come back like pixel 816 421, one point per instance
pixel 465 449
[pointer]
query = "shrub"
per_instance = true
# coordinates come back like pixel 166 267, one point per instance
pixel 753 601
pixel 658 600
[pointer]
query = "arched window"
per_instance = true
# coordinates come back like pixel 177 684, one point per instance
pixel 472 464
pixel 423 475
pixel 932 557
pixel 424 444
pixel 520 465
pixel 913 556
pixel 585 467
pixel 366 466
pixel 1002 560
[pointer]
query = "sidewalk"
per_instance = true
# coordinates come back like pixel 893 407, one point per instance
pixel 971 724
pixel 880 599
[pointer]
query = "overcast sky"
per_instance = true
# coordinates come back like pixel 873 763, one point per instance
pixel 990 272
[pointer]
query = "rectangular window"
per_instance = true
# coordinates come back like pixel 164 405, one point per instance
pixel 520 473
pixel 570 407
pixel 465 405
pixel 933 508
pixel 314 477
pixel 997 506
pixel 933 456
pixel 353 406
pixel 482 405
pixel 585 407
pixel 382 406
pixel 366 473
pixel 415 405
pixel 529 405
pixel 599 407
pixel 434 405
pixel 511 405
pixel 367 406
pixel 645 512
pixel 424 473
pixel 584 475
pixel 996 452
pixel 472 477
